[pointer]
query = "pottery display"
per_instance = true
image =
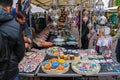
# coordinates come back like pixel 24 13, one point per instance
pixel 55 66
pixel 86 67
pixel 69 55
pixel 55 51
pixel 31 60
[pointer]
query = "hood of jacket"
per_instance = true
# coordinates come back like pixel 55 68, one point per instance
pixel 4 16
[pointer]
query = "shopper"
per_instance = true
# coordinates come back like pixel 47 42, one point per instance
pixel 10 29
pixel 21 18
pixel 23 5
pixel 117 36
pixel 85 31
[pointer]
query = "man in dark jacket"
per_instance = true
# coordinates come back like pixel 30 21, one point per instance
pixel 9 25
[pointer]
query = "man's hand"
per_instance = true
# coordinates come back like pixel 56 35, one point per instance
pixel 29 40
pixel 27 45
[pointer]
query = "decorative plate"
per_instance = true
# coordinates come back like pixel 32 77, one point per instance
pixel 55 66
pixel 86 67
pixel 54 51
pixel 31 62
pixel 58 40
pixel 59 43
pixel 71 43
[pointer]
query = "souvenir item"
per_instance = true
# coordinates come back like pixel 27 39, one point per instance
pixel 96 58
pixel 71 43
pixel 87 52
pixel 55 66
pixel 59 41
pixel 70 56
pixel 31 60
pixel 55 51
pixel 86 67
pixel 71 39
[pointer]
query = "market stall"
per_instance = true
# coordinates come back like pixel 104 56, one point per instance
pixel 91 66
pixel 107 65
pixel 57 53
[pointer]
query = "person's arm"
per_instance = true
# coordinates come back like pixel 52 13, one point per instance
pixel 27 31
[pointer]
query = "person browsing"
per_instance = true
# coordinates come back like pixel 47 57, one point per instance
pixel 21 18
pixel 10 31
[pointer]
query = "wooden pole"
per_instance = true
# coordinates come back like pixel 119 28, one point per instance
pixel 80 20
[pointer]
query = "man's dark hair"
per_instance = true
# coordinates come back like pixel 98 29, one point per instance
pixel 5 3
pixel 21 14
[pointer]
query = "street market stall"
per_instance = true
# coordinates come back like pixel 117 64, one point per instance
pixel 57 53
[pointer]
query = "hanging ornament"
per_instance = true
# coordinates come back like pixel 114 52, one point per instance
pixel 76 9
pixel 95 11
pixel 54 23
pixel 102 11
pixel 56 17
pixel 70 15
pixel 50 10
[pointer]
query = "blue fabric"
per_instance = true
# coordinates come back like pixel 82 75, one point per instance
pixel 13 12
pixel 16 78
pixel 27 31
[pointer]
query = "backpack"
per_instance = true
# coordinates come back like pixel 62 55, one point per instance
pixel 4 55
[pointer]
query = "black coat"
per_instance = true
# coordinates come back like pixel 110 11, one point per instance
pixel 84 38
pixel 85 30
pixel 9 25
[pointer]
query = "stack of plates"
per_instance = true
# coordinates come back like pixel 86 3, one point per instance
pixel 59 41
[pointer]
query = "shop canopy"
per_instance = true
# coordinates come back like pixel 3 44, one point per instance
pixel 111 9
pixel 35 9
pixel 45 4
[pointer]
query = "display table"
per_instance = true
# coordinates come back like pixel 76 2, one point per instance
pixel 71 73
pixel 27 74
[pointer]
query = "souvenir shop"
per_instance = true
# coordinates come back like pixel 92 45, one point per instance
pixel 56 51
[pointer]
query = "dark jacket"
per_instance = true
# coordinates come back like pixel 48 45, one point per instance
pixel 85 30
pixel 16 42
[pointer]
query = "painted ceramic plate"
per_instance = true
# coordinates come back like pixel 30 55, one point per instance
pixel 86 67
pixel 54 51
pixel 55 66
